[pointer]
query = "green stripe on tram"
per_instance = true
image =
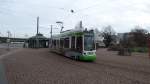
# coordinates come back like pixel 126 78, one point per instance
pixel 88 57
pixel 76 33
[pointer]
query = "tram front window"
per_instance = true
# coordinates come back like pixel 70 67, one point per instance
pixel 89 43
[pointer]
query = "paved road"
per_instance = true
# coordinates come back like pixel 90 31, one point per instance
pixel 39 66
pixel 3 79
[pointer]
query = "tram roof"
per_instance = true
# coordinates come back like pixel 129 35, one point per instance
pixel 71 32
pixel 68 32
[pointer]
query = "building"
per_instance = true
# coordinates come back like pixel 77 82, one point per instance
pixel 99 39
pixel 38 41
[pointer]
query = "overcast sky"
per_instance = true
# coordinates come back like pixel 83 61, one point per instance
pixel 19 16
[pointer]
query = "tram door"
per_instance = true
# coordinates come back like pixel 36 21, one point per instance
pixel 79 43
pixel 73 42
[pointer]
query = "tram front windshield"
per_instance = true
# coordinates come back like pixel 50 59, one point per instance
pixel 89 42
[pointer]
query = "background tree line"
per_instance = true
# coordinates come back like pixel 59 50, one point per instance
pixel 137 37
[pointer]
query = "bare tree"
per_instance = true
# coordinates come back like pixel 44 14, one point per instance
pixel 108 33
pixel 138 36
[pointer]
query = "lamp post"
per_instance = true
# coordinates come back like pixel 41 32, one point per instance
pixel 62 25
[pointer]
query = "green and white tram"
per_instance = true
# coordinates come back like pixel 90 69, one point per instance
pixel 78 45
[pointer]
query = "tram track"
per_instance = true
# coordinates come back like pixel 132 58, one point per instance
pixel 111 64
pixel 122 66
pixel 97 67
pixel 98 70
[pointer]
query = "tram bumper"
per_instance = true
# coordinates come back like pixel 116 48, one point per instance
pixel 88 58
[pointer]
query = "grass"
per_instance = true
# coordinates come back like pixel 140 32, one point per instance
pixel 140 49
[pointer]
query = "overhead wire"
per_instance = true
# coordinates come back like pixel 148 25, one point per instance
pixel 80 10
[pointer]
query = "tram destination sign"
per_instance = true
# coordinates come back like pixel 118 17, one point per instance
pixel 89 34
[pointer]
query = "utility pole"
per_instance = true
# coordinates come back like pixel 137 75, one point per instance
pixel 8 40
pixel 37 24
pixel 37 39
pixel 14 35
pixel 51 35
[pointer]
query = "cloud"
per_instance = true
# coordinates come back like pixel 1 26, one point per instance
pixel 20 15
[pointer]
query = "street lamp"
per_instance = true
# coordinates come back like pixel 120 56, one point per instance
pixel 59 22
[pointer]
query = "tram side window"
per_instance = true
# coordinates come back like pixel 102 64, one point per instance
pixel 73 42
pixel 66 42
pixel 57 43
pixel 61 43
pixel 79 43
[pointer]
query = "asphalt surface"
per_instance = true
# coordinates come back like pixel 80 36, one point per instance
pixel 3 78
pixel 39 66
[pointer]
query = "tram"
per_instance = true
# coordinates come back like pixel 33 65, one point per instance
pixel 75 44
